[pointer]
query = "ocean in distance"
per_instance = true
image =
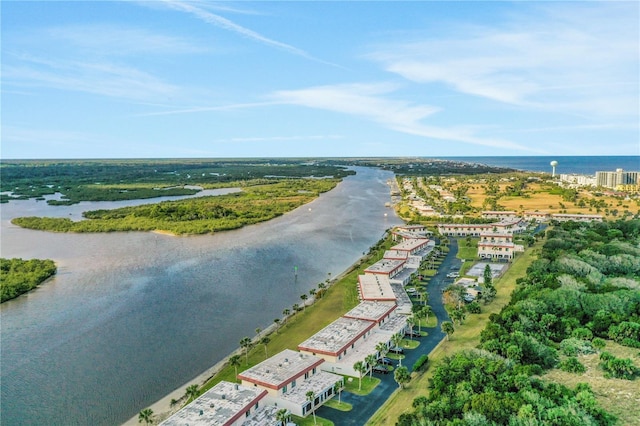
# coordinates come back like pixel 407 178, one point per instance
pixel 584 165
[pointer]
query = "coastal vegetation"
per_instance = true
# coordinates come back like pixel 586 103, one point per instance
pixel 195 215
pixel 18 276
pixel 581 293
pixel 113 180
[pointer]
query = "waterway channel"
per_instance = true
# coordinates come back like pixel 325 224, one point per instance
pixel 131 316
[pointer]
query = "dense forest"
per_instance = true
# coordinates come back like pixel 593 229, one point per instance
pixel 18 276
pixel 581 293
pixel 112 180
pixel 195 215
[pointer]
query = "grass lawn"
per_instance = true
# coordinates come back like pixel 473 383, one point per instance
pixel 340 406
pixel 309 421
pixel 467 251
pixel 368 384
pixel 466 336
pixel 336 301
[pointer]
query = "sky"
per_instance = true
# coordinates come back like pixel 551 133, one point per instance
pixel 174 79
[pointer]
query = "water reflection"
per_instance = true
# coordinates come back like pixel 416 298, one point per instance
pixel 131 316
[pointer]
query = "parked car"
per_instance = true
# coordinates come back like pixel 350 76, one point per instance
pixel 453 275
pixel 385 361
pixel 415 334
pixel 396 350
pixel 380 369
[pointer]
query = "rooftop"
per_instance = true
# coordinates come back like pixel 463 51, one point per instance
pixel 263 416
pixel 280 369
pixel 375 287
pixel 316 383
pixel 384 266
pixel 371 310
pixel 411 244
pixel 220 405
pixel 396 254
pixel 336 336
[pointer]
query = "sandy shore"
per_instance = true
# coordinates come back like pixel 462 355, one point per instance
pixel 162 408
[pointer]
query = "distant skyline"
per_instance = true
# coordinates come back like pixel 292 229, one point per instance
pixel 169 78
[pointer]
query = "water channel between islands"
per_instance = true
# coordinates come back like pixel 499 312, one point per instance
pixel 132 316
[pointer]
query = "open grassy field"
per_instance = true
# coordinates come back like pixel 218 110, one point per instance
pixel 619 397
pixel 466 336
pixel 539 198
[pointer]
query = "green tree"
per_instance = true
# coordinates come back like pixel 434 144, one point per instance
pixel 411 321
pixel 396 339
pixel 192 392
pixel 371 361
pixel 265 341
pixel 360 368
pixel 245 344
pixel 447 327
pixel 234 361
pixel 337 388
pixel 282 416
pixel 145 416
pixel 382 349
pixel 276 321
pixel 402 376
pixel 304 298
pixel 311 396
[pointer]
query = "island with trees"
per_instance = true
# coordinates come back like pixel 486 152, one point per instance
pixel 18 276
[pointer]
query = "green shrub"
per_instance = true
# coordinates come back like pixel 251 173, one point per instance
pixel 572 365
pixel 421 362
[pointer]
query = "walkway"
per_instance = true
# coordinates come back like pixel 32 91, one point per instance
pixel 365 406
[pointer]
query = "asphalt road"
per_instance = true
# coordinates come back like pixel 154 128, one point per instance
pixel 365 406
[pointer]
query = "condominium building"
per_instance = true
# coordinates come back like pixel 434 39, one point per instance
pixel 619 177
pixel 226 404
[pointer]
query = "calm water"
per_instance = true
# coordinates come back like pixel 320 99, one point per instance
pixel 586 165
pixel 132 316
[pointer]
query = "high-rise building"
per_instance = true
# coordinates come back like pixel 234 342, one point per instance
pixel 619 177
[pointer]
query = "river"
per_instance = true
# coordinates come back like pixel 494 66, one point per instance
pixel 132 316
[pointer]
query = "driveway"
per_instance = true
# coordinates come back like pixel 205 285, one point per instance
pixel 365 406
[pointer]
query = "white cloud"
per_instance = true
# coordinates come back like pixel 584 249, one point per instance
pixel 117 40
pixel 100 78
pixel 368 101
pixel 577 59
pixel 226 24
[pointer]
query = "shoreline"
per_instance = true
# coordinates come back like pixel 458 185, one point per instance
pixel 162 408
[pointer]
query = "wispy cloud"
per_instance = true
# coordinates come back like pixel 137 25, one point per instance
pixel 569 59
pixel 369 101
pixel 228 25
pixel 100 78
pixel 191 110
pixel 118 40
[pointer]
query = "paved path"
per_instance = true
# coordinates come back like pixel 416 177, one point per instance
pixel 365 406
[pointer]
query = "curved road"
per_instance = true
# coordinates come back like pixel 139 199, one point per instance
pixel 365 406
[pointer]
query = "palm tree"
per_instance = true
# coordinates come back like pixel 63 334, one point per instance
pixel 234 361
pixel 427 310
pixel 337 388
pixel 447 327
pixel 265 341
pixel 304 298
pixel 371 361
pixel 382 349
pixel 258 330
pixel 361 368
pixel 312 293
pixel 397 340
pixel 192 392
pixel 411 321
pixel 282 416
pixel 311 396
pixel 402 376
pixel 145 416
pixel 276 321
pixel 296 308
pixel 245 344
pixel 321 287
pixel 286 314
pixel 424 297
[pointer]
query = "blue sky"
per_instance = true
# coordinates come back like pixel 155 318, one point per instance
pixel 132 79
